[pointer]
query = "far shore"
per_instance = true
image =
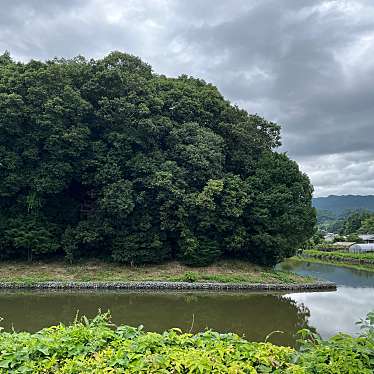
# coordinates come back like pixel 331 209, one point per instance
pixel 356 261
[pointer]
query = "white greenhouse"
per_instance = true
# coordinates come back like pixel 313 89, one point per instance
pixel 361 248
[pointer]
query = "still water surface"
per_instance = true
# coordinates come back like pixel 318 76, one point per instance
pixel 336 311
pixel 250 314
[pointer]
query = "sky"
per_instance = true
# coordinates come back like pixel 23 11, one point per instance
pixel 307 65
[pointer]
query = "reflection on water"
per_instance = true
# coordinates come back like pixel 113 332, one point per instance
pixel 335 311
pixel 331 312
pixel 252 315
pixel 249 314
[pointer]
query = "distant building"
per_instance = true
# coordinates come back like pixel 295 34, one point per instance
pixel 343 245
pixel 337 246
pixel 329 237
pixel 367 238
pixel 362 248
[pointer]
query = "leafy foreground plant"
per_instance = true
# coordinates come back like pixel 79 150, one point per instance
pixel 97 346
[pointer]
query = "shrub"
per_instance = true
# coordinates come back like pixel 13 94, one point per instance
pixel 97 346
pixel 190 276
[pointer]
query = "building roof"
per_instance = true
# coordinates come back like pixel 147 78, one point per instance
pixel 343 244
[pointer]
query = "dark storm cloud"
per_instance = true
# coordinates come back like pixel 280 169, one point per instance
pixel 305 64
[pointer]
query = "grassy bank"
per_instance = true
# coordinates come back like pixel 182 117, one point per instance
pixel 358 261
pixel 98 347
pixel 332 262
pixel 224 271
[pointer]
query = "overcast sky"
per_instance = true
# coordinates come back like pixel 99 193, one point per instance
pixel 308 65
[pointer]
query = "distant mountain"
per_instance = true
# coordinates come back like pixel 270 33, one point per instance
pixel 340 204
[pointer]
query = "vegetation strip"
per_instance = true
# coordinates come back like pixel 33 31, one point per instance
pixel 170 286
pixel 362 267
pixel 354 258
pixel 100 271
pixel 97 346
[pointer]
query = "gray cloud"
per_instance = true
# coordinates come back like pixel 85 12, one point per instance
pixel 305 64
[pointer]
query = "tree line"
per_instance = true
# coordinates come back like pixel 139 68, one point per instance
pixel 349 223
pixel 104 158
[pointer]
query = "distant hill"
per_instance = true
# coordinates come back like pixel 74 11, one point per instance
pixel 340 204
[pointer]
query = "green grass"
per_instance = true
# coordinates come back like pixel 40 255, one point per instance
pixel 363 267
pixel 223 271
pixel 369 256
pixel 364 261
pixel 97 346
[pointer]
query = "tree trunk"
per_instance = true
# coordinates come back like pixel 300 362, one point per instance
pixel 29 254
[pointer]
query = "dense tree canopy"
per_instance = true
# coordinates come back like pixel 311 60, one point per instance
pixel 367 225
pixel 355 222
pixel 105 158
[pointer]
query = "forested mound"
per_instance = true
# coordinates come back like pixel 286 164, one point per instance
pixel 105 158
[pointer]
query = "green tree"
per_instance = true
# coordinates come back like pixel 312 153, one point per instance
pixel 32 236
pixel 354 221
pixel 106 158
pixel 367 225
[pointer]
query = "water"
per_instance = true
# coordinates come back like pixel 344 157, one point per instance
pixel 335 311
pixel 342 276
pixel 254 315
pixel 250 314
